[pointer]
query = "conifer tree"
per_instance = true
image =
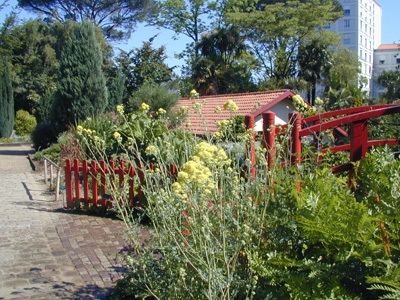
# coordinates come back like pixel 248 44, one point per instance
pixel 6 101
pixel 81 89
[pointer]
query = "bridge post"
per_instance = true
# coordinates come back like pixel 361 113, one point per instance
pixel 295 141
pixel 269 136
pixel 249 121
pixel 358 140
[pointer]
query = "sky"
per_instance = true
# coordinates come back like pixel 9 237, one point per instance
pixel 390 31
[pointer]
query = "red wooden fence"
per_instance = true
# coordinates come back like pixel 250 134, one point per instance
pixel 92 181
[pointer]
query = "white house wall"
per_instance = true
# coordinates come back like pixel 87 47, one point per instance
pixel 281 110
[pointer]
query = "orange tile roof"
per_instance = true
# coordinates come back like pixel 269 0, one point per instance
pixel 389 46
pixel 249 104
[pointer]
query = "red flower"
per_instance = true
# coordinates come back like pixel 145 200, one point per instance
pixel 185 213
pixel 186 232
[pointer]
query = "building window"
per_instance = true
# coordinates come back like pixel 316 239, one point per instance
pixel 347 12
pixel 361 53
pixel 346 23
pixel 382 62
pixel 328 26
pixel 361 24
pixel 397 60
pixel 370 59
pixel 346 41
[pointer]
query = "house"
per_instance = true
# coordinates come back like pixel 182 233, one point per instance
pixel 253 103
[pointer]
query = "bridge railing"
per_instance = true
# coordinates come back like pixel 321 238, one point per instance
pixel 300 127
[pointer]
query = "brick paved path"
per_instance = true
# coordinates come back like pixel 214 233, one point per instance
pixel 45 251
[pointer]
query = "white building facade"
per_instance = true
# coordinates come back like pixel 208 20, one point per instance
pixel 386 58
pixel 360 28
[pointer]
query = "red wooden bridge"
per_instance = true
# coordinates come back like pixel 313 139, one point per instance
pixel 299 127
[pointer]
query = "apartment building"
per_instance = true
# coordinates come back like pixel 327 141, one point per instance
pixel 386 58
pixel 360 28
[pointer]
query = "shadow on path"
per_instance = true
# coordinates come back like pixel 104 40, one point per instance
pixel 16 152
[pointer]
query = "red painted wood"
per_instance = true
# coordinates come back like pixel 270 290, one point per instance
pixel 93 173
pixel 358 140
pixel 131 174
pixel 342 168
pixel 383 142
pixel 249 121
pixel 337 148
pixel 269 136
pixel 350 119
pixel 85 172
pixel 121 174
pixel 75 169
pixel 295 141
pixel 68 183
pixel 103 171
pixel 343 112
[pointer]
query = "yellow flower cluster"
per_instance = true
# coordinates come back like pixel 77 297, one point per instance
pixel 300 105
pixel 230 106
pixel 197 107
pixel 319 101
pixel 194 94
pixel 299 102
pixel 197 173
pixel 161 111
pixel 217 110
pixel 151 150
pixel 120 109
pixel 80 130
pixel 144 107
pixel 116 136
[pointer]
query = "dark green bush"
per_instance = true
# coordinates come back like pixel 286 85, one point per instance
pixel 43 136
pixel 24 123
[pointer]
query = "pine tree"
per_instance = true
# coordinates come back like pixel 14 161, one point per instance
pixel 81 89
pixel 6 101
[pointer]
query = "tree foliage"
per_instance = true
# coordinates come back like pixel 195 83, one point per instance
pixel 391 81
pixel 6 100
pixel 32 50
pixel 115 17
pixel 81 88
pixel 223 63
pixel 185 17
pixel 276 32
pixel 144 65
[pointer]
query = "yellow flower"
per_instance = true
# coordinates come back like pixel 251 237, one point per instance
pixel 161 111
pixel 120 109
pixel 188 124
pixel 197 107
pixel 151 150
pixel 217 110
pixel 230 106
pixel 79 129
pixel 144 107
pixel 184 109
pixel 194 93
pixel 117 136
pixel 319 101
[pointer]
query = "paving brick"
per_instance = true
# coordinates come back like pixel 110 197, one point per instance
pixel 47 252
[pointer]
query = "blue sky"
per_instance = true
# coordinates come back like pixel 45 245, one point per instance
pixel 390 31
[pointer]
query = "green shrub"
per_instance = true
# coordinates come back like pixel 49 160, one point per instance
pixel 43 136
pixel 24 123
